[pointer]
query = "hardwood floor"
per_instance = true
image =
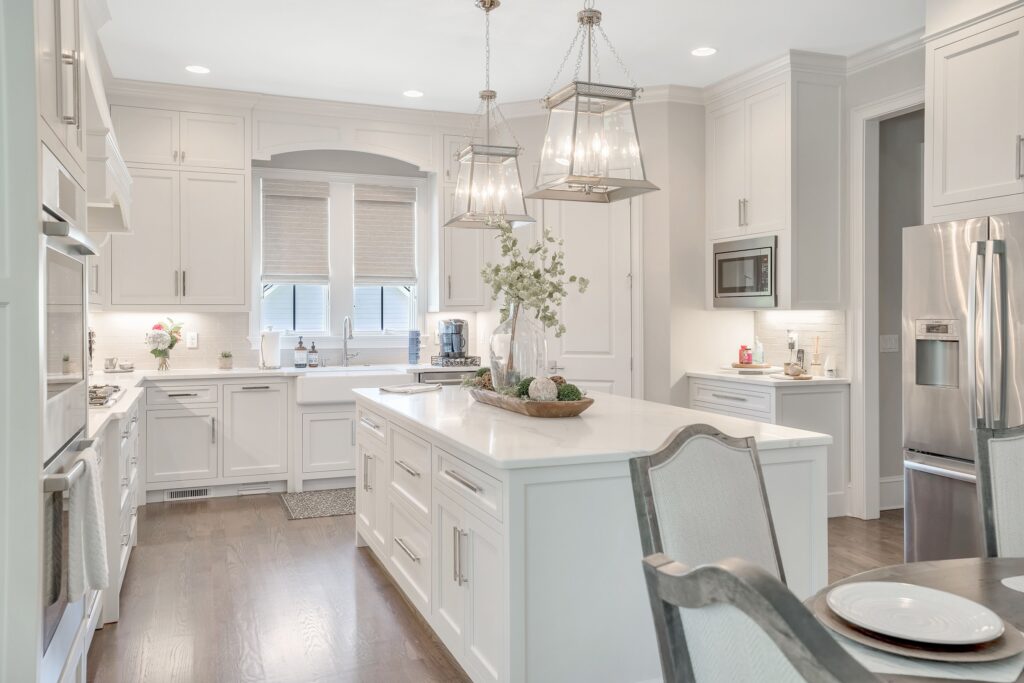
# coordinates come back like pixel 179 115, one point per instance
pixel 231 590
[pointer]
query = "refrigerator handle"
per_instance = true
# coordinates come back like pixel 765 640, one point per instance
pixel 986 325
pixel 972 339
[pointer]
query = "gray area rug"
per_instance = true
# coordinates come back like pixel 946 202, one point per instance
pixel 326 503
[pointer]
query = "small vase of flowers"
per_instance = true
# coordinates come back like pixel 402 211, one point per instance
pixel 161 339
pixel 226 360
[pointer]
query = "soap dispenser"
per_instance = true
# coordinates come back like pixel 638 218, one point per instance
pixel 301 355
pixel 314 356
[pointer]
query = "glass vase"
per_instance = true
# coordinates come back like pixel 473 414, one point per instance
pixel 165 362
pixel 518 349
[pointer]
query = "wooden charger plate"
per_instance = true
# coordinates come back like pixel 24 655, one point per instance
pixel 532 408
pixel 1007 645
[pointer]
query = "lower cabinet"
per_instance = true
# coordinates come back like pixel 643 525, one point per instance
pixel 372 497
pixel 181 444
pixel 329 441
pixel 255 429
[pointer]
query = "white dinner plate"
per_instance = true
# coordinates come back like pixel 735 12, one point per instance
pixel 916 613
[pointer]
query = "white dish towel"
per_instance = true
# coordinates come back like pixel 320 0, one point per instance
pixel 87 543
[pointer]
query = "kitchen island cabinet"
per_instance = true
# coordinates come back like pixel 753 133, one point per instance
pixel 516 538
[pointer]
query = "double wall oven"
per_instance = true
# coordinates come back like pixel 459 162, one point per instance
pixel 65 292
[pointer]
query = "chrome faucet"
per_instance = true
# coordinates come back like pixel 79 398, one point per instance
pixel 346 334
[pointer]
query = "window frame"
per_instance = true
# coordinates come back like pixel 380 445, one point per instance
pixel 341 288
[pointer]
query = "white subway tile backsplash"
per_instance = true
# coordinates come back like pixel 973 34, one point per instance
pixel 771 328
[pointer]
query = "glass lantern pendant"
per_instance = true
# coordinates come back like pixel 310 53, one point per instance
pixel 489 188
pixel 591 149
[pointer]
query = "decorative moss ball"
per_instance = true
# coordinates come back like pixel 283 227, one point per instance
pixel 543 389
pixel 523 388
pixel 557 379
pixel 483 371
pixel 569 392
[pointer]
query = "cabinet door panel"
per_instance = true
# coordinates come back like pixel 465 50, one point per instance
pixel 768 161
pixel 146 136
pixel 461 263
pixel 181 444
pixel 213 244
pixel 366 504
pixel 449 594
pixel 47 63
pixel 144 267
pixel 255 429
pixel 726 162
pixel 212 140
pixel 485 618
pixel 328 441
pixel 73 79
pixel 977 110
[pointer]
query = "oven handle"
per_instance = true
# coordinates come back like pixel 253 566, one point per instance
pixel 53 483
pixel 69 233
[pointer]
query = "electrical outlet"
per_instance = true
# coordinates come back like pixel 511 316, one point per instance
pixel 888 343
pixel 192 340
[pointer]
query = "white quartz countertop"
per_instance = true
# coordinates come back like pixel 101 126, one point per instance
pixel 764 380
pixel 614 429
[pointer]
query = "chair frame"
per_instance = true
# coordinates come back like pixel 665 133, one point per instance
pixel 643 495
pixel 804 642
pixel 986 500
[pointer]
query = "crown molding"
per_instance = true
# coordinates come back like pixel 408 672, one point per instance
pixel 882 53
pixel 794 60
pixel 654 94
pixel 973 21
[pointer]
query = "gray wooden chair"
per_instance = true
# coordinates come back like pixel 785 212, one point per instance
pixel 740 624
pixel 700 498
pixel 1000 472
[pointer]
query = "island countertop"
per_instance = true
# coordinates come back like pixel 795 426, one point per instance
pixel 615 428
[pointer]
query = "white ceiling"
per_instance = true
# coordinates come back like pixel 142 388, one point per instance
pixel 372 50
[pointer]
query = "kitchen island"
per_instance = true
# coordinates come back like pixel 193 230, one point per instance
pixel 516 537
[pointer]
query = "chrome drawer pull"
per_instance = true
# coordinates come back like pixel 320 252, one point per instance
pixel 124 540
pixel 405 466
pixel 465 482
pixel 401 544
pixel 182 395
pixel 730 397
pixel 366 422
pixel 263 386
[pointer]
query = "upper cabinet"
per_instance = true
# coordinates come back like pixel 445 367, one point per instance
pixel 180 139
pixel 974 120
pixel 773 158
pixel 60 79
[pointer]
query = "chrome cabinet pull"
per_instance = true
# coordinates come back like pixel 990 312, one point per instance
pixel 459 577
pixel 401 544
pixel 182 395
pixel 366 422
pixel 367 486
pixel 184 287
pixel 71 58
pixel 213 430
pixel 257 388
pixel 182 156
pixel 405 466
pixel 449 286
pixel 465 482
pixel 124 540
pixel 739 212
pixel 455 554
pixel 174 155
pixel 175 283
pixel 1020 171
pixel 729 397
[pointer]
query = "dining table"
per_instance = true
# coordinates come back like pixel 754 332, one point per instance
pixel 977 578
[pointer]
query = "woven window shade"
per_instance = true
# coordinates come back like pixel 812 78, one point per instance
pixel 385 235
pixel 295 232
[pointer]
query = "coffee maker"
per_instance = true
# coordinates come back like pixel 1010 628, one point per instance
pixel 454 337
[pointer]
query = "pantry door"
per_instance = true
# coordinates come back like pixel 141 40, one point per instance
pixel 596 350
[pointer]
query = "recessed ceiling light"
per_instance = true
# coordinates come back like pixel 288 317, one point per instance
pixel 413 93
pixel 703 51
pixel 196 69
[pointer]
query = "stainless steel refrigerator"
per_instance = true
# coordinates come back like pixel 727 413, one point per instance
pixel 963 365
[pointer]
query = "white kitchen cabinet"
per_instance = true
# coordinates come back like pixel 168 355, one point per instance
pixel 60 81
pixel 213 244
pixel 181 444
pixel 329 442
pixel 974 120
pixel 773 152
pixel 188 243
pixel 255 429
pixel 463 255
pixel 372 502
pixel 180 139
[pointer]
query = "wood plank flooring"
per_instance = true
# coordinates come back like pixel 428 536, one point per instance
pixel 229 590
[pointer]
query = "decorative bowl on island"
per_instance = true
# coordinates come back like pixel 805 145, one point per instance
pixel 569 401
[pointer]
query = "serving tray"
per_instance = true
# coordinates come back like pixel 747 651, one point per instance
pixel 532 408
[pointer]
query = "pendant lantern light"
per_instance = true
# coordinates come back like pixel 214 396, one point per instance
pixel 591 149
pixel 489 187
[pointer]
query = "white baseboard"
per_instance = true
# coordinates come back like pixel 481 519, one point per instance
pixel 890 493
pixel 837 504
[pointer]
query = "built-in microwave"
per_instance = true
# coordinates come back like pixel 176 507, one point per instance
pixel 744 273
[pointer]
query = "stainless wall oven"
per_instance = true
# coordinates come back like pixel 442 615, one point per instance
pixel 744 273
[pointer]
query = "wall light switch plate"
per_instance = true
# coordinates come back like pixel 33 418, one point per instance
pixel 192 340
pixel 888 343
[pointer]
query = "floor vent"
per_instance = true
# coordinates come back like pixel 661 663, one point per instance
pixel 187 494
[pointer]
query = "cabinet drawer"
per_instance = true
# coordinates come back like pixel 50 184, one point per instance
pixel 732 397
pixel 410 470
pixel 373 427
pixel 469 483
pixel 173 396
pixel 409 555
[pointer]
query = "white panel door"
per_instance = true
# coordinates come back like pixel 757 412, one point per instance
pixel 596 350
pixel 144 266
pixel 463 257
pixel 181 444
pixel 255 429
pixel 146 136
pixel 485 616
pixel 767 206
pixel 977 110
pixel 213 244
pixel 726 162
pixel 212 140
pixel 329 441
